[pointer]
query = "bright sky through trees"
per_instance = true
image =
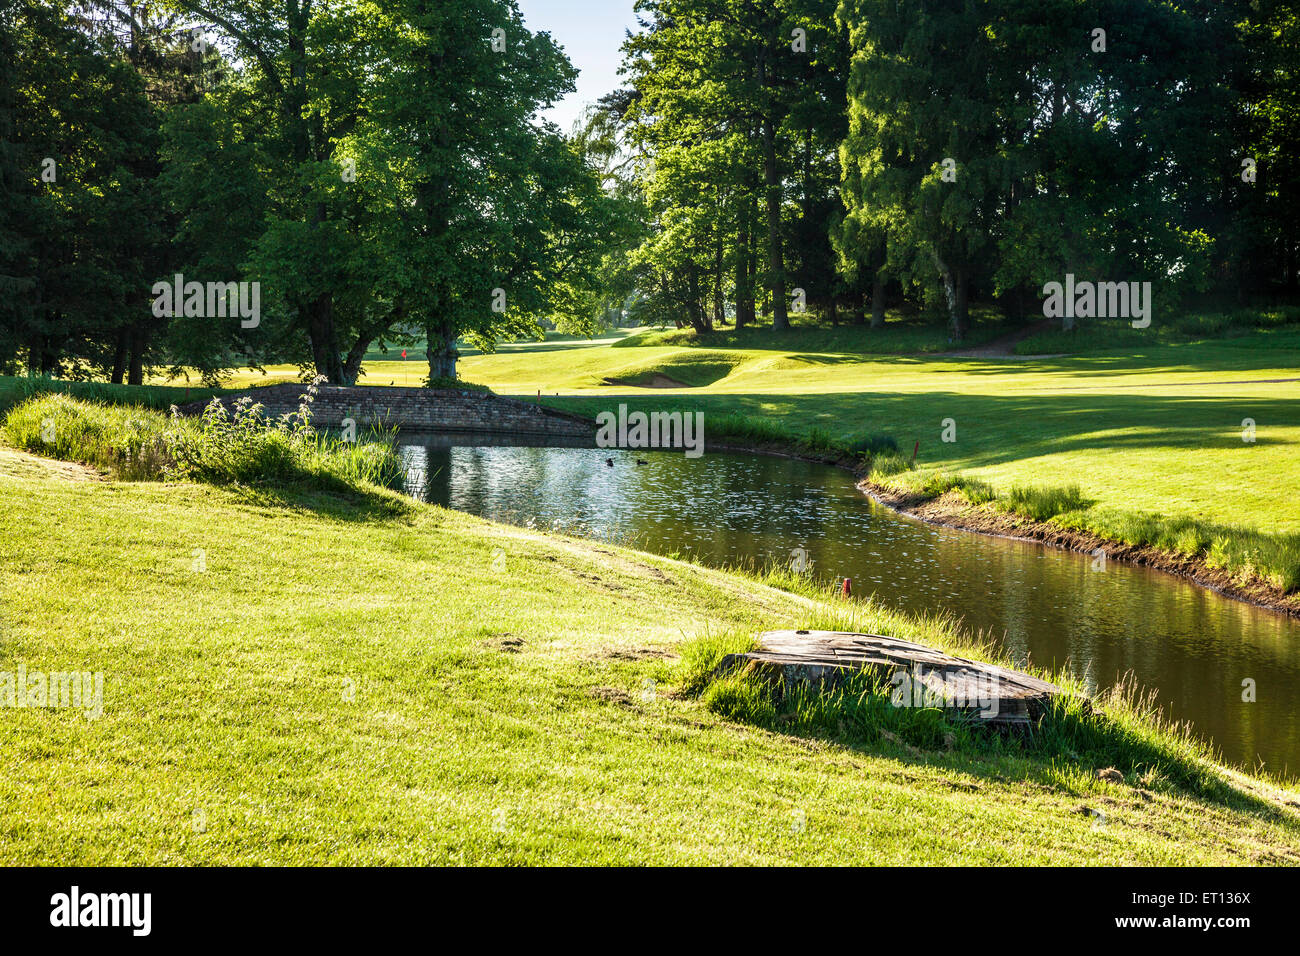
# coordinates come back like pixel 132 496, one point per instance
pixel 591 32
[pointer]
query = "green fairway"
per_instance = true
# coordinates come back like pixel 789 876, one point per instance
pixel 1153 437
pixel 311 681
pixel 1154 431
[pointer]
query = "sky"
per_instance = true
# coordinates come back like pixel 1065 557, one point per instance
pixel 591 32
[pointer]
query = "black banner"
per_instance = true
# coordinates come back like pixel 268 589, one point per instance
pixel 331 906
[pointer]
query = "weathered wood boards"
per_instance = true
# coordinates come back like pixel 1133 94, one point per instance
pixel 918 676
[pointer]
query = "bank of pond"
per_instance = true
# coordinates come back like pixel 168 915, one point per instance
pixel 1223 665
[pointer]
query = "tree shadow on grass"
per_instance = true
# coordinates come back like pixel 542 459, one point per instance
pixel 335 499
pixel 1065 750
pixel 993 429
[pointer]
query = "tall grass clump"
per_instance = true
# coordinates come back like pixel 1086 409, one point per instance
pixel 701 657
pixel 244 446
pixel 14 390
pixel 128 442
pixel 1125 729
pixel 1042 503
pixel 887 464
pixel 1243 552
pixel 240 445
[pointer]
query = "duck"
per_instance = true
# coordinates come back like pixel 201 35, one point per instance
pixel 610 462
pixel 642 461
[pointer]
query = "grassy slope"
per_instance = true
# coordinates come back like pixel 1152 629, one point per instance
pixel 1157 430
pixel 14 390
pixel 226 705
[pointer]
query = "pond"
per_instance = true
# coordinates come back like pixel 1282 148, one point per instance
pixel 1054 607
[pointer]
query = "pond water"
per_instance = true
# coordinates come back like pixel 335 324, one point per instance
pixel 1053 607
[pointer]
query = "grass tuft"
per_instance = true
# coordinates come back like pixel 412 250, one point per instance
pixel 134 443
pixel 1042 503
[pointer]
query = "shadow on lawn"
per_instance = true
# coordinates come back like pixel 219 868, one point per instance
pixel 994 429
pixel 1077 746
pixel 334 499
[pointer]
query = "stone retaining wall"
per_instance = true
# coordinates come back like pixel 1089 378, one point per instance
pixel 415 409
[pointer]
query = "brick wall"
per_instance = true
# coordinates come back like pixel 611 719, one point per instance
pixel 415 409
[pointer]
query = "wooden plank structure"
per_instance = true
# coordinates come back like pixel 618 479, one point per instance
pixel 918 675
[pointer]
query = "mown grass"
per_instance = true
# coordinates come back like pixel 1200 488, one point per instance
pixel 338 685
pixel 902 334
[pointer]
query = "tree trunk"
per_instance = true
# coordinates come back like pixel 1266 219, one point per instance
pixel 960 316
pixel 35 354
pixel 698 316
pixel 859 311
pixel 135 364
pixel 878 302
pixel 324 348
pixel 719 306
pixel 352 364
pixel 776 257
pixel 744 273
pixel 441 350
pixel 955 290
pixel 119 356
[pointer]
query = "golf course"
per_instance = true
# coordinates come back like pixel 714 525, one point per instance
pixel 651 433
pixel 472 692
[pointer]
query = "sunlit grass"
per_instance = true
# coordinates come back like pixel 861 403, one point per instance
pixel 337 684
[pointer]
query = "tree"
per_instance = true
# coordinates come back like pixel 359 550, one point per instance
pixel 496 198
pixel 922 159
pixel 79 162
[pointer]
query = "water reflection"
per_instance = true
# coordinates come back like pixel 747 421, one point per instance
pixel 1047 605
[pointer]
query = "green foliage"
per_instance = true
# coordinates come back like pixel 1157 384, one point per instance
pixel 129 442
pixel 136 443
pixel 82 224
pixel 1063 158
pixel 730 110
pixel 370 206
pixel 1043 503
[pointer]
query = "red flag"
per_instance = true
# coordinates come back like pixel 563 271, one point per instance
pixel 403 353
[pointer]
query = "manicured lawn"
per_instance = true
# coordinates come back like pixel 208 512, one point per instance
pixel 1158 430
pixel 336 683
pixel 1152 435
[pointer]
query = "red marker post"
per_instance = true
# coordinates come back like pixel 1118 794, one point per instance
pixel 846 591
